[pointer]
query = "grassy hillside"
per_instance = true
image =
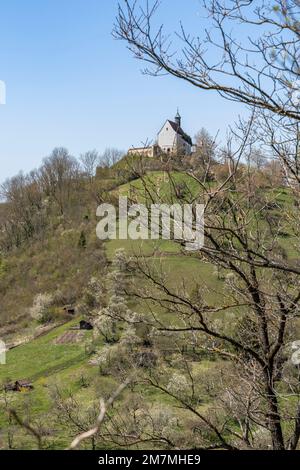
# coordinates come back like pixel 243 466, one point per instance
pixel 67 380
pixel 59 263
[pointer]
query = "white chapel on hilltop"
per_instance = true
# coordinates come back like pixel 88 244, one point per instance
pixel 171 139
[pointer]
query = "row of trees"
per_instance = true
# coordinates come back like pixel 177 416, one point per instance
pixel 62 180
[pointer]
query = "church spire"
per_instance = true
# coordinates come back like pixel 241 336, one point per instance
pixel 178 118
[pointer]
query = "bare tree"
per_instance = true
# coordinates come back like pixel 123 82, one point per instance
pixel 242 229
pixel 205 143
pixel 58 175
pixel 205 154
pixel 25 215
pixel 257 158
pixel 110 156
pixel 259 69
pixel 89 161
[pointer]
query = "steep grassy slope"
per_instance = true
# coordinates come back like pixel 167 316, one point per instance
pixel 58 263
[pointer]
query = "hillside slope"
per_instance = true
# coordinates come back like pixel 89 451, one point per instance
pixel 71 370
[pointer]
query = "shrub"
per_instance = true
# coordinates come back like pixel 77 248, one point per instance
pixel 41 304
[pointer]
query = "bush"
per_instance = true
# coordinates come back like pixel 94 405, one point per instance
pixel 40 307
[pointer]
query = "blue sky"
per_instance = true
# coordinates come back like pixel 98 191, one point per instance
pixel 69 83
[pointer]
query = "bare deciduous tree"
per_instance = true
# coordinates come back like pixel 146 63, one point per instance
pixel 243 233
pixel 58 175
pixel 110 156
pixel 259 69
pixel 89 161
